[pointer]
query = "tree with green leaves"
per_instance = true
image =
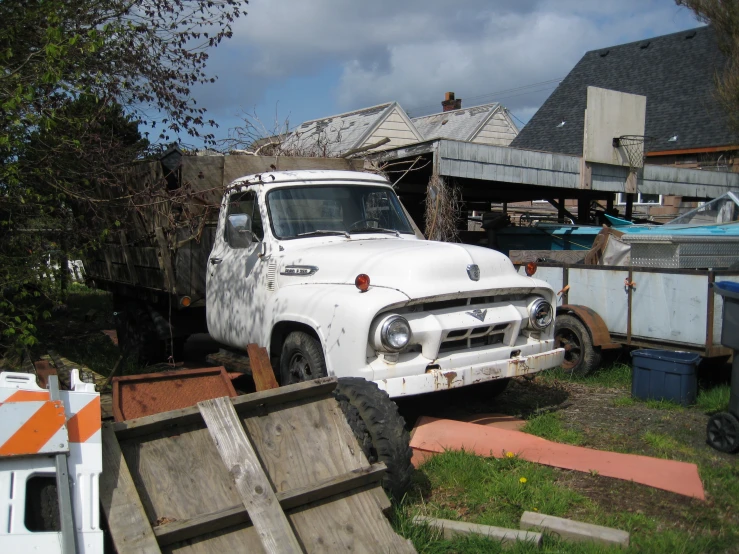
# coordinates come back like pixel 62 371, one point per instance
pixel 78 79
pixel 723 15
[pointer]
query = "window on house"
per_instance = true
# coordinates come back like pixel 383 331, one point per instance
pixel 645 199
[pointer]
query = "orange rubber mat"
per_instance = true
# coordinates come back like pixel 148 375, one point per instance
pixel 431 435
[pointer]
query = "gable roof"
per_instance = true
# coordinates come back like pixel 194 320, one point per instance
pixel 344 132
pixel 462 124
pixel 675 72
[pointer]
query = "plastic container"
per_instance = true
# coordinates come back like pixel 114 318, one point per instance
pixel 664 375
pixel 730 326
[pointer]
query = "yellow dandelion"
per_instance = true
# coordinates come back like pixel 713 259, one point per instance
pixel 522 480
pixel 509 454
pixel 535 509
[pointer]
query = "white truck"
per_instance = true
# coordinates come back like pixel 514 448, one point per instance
pixel 325 269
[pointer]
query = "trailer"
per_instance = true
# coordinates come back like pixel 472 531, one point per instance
pixel 606 307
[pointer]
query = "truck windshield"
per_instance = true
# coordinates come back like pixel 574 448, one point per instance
pixel 336 209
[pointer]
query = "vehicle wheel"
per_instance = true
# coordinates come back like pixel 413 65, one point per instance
pixel 722 432
pixel 302 359
pixel 138 338
pixel 380 430
pixel 581 357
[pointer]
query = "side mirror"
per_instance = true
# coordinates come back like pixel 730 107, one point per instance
pixel 238 231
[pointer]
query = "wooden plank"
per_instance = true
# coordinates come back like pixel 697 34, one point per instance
pixel 108 263
pixel 166 260
pixel 186 529
pixel 128 259
pixel 261 368
pixel 251 482
pixel 576 531
pixel 455 528
pixel 129 526
pixel 188 416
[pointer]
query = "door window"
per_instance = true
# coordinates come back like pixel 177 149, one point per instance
pixel 245 203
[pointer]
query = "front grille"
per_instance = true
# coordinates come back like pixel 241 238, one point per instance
pixel 463 302
pixel 462 339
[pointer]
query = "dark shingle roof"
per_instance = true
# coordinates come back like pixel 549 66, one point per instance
pixel 675 72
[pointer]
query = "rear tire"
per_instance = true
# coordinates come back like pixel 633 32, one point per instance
pixel 581 357
pixel 379 429
pixel 301 359
pixel 138 338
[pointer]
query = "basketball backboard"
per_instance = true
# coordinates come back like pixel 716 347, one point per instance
pixel 611 114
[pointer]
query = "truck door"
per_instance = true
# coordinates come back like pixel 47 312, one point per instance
pixel 234 267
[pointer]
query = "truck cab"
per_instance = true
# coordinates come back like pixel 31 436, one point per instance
pixel 325 270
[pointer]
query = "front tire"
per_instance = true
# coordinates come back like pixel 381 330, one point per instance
pixel 301 359
pixel 379 429
pixel 581 357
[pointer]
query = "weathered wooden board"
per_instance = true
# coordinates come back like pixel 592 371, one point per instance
pixel 252 483
pixel 120 501
pixel 261 368
pixel 303 442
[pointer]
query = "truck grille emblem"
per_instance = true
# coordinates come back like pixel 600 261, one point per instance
pixel 478 314
pixel 473 270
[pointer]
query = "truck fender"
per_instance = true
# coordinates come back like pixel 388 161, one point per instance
pixel 593 322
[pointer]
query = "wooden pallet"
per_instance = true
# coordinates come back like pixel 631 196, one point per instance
pixel 274 471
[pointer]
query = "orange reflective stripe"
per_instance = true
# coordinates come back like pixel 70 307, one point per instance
pixel 82 425
pixel 36 431
pixel 27 396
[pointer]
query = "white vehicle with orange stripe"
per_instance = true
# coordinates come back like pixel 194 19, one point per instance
pixel 36 430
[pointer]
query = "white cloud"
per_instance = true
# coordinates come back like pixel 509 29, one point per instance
pixel 413 51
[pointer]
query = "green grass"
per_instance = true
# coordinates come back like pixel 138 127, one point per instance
pixel 663 405
pixel 666 446
pixel 714 400
pixel 616 375
pixel 463 487
pixel 623 401
pixel 549 426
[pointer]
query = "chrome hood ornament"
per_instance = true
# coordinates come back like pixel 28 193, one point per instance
pixel 478 314
pixel 473 270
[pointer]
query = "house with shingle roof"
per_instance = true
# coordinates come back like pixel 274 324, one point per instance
pixel 385 125
pixel 684 117
pixel 486 124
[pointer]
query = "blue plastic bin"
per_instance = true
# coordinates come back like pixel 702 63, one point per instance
pixel 665 375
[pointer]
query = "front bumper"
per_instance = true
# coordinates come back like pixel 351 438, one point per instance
pixel 442 379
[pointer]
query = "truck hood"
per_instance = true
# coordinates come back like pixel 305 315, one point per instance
pixel 417 268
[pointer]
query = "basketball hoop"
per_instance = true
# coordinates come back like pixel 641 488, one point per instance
pixel 633 146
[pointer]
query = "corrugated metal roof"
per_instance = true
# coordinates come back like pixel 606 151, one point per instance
pixel 454 124
pixel 341 132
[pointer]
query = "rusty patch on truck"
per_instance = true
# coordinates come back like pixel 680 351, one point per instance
pixel 450 375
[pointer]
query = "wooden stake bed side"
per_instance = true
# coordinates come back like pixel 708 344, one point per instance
pixel 303 449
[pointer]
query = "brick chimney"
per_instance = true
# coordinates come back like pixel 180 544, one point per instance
pixel 449 103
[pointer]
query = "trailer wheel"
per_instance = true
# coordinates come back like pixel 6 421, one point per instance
pixel 722 432
pixel 581 357
pixel 301 359
pixel 380 430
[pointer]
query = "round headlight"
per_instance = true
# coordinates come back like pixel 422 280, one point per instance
pixel 395 333
pixel 541 314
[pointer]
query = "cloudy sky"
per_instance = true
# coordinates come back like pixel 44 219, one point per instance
pixel 301 60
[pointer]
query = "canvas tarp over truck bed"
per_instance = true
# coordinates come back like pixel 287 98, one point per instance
pixel 168 223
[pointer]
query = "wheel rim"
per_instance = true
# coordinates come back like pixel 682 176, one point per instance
pixel 722 434
pixel 299 368
pixel 568 339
